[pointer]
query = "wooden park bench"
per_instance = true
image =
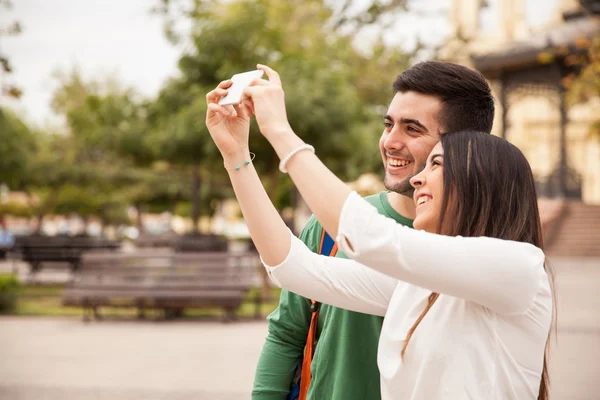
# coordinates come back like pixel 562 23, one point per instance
pixel 37 249
pixel 170 282
pixel 199 242
pixel 191 242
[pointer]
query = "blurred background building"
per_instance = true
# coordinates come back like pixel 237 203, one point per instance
pixel 531 70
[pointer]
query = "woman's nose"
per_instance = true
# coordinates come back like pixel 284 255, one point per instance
pixel 417 180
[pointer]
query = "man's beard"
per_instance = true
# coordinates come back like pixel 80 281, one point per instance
pixel 404 187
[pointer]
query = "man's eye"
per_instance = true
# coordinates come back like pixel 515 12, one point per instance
pixel 387 124
pixel 413 129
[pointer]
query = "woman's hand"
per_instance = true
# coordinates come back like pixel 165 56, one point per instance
pixel 229 126
pixel 267 100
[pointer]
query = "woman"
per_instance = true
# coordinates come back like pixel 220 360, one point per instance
pixel 466 297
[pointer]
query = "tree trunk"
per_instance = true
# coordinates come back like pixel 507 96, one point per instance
pixel 38 223
pixel 195 198
pixel 139 221
pixel 45 208
pixel 86 224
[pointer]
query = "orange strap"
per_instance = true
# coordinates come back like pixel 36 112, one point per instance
pixel 309 350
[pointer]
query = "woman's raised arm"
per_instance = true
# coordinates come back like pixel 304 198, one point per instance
pixel 368 291
pixel 498 274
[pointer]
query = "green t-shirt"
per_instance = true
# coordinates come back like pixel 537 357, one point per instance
pixel 344 366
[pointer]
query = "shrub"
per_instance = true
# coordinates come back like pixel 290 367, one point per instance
pixel 9 289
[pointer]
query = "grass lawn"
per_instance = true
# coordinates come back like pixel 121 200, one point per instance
pixel 36 300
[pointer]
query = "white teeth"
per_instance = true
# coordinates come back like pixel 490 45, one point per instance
pixel 422 199
pixel 398 163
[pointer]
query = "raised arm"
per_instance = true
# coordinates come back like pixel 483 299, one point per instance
pixel 229 128
pixel 501 275
pixel 271 236
pixel 336 281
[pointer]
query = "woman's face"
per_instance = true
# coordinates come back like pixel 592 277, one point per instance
pixel 429 191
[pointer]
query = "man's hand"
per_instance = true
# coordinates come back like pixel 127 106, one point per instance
pixel 229 126
pixel 267 100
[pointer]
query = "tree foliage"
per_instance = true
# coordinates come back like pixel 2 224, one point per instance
pixel 16 149
pixel 585 85
pixel 334 93
pixel 109 131
pixel 120 149
pixel 9 29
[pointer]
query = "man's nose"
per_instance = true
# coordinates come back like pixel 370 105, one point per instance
pixel 395 139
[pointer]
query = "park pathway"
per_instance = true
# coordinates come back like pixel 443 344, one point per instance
pixel 65 359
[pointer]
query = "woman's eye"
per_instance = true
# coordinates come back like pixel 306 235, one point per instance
pixel 436 163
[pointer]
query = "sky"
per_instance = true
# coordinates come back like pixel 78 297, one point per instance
pixel 98 36
pixel 122 37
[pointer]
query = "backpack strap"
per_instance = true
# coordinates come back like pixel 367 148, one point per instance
pixel 327 246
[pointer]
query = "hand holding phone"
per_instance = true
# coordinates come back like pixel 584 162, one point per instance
pixel 240 82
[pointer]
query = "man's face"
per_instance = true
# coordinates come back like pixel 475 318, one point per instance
pixel 411 131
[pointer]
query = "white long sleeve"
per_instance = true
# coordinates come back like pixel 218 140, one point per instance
pixel 484 337
pixel 501 275
pixel 336 281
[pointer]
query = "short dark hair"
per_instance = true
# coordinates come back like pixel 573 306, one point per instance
pixel 466 96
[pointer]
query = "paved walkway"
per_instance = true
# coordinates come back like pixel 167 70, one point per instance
pixel 575 361
pixel 65 359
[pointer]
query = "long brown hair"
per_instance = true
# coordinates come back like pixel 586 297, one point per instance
pixel 489 190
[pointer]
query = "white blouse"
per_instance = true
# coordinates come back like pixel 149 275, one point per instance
pixel 484 337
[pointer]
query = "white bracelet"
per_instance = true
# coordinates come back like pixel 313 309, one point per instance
pixel 287 158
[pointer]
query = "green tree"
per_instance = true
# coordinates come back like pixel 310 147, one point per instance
pixel 580 63
pixel 10 29
pixel 16 149
pixel 334 93
pixel 68 172
pixel 53 166
pixel 585 85
pixel 17 146
pixel 349 16
pixel 108 125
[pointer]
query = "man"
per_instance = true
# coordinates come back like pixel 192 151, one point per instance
pixel 430 99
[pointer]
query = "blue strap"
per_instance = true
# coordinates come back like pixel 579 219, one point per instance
pixel 327 246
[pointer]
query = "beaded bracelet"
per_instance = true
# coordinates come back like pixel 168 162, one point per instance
pixel 238 167
pixel 292 153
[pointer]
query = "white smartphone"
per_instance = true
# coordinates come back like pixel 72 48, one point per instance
pixel 240 82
